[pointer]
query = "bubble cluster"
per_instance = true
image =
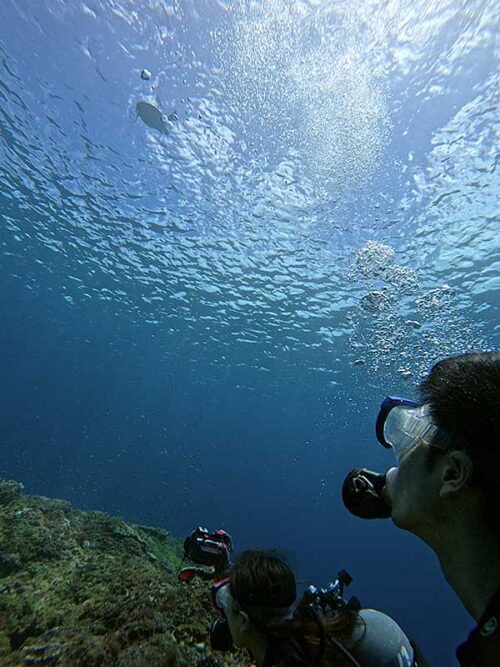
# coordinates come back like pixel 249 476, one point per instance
pixel 293 83
pixel 399 325
pixel 374 260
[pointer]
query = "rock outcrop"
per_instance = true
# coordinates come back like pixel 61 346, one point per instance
pixel 87 589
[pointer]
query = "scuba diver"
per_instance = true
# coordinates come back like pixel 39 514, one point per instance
pixel 255 599
pixel 209 549
pixel 446 484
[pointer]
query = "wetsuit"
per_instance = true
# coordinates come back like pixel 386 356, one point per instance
pixel 482 648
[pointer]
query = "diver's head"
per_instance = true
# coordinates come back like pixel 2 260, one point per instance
pixel 447 447
pixel 463 392
pixel 447 451
pixel 411 488
pixel 257 596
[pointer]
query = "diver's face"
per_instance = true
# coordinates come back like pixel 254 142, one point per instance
pixel 412 490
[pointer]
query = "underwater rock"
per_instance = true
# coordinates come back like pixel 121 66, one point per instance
pixel 10 491
pixel 84 589
pixel 8 565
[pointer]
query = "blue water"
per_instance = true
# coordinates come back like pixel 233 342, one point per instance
pixel 199 324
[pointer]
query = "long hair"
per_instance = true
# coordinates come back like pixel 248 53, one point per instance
pixel 263 579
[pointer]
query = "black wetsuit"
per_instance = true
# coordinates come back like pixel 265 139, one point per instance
pixel 482 648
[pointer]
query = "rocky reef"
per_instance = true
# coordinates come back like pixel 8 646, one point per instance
pixel 87 589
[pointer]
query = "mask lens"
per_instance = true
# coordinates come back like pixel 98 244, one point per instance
pixel 406 426
pixel 220 634
pixel 399 428
pixel 221 596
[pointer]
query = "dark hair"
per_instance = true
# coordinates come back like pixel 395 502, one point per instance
pixel 264 579
pixel 464 396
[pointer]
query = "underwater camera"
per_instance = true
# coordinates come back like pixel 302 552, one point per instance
pixel 207 549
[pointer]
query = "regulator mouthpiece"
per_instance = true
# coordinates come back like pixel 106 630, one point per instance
pixel 362 494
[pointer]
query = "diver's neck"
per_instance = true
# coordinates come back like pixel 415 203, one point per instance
pixel 470 560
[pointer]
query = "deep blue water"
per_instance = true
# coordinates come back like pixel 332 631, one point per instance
pixel 198 325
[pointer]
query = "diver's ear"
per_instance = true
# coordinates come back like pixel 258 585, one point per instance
pixel 456 472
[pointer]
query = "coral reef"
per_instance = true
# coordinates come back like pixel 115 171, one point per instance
pixel 87 589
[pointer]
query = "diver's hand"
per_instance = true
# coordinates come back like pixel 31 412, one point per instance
pixel 362 493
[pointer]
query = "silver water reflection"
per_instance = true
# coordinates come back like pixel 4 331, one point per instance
pixel 315 172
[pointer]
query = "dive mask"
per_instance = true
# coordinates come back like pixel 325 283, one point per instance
pixel 220 634
pixel 402 423
pixel 221 595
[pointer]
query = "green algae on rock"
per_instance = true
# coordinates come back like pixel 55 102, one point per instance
pixel 84 589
